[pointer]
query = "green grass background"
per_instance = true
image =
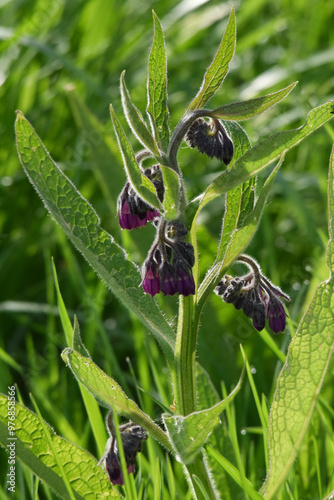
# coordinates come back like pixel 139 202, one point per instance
pixel 59 57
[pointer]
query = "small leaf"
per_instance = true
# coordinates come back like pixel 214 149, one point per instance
pixel 302 375
pixel 33 449
pixel 171 196
pixel 141 184
pixel 240 200
pixel 109 393
pixel 244 110
pixel 188 434
pixel 157 87
pixel 136 121
pixel 218 69
pixel 81 224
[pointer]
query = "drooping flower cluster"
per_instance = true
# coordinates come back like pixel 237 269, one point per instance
pixel 256 296
pixel 169 262
pixel 133 212
pixel 132 436
pixel 170 259
pixel 211 138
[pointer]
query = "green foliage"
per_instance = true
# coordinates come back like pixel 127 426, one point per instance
pixel 302 376
pixel 69 470
pixel 46 48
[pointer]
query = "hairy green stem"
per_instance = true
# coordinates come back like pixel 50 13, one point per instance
pixel 184 358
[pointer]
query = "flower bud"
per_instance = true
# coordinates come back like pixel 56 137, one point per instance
pixel 211 138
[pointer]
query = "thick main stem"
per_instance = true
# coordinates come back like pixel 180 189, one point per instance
pixel 184 358
pixel 185 387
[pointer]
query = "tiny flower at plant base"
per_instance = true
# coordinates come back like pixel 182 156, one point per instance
pixel 169 262
pixel 132 436
pixel 255 295
pixel 211 138
pixel 133 212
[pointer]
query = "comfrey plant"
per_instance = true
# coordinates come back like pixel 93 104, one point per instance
pixel 155 192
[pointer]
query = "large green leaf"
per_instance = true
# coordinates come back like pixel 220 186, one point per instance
pixel 81 224
pixel 188 434
pixel 302 375
pixel 109 393
pixel 157 87
pixel 41 450
pixel 136 121
pixel 218 69
pixel 244 110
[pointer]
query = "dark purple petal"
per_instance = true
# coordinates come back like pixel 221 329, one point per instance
pixel 185 283
pixel 151 282
pixel 131 469
pixel 129 220
pixel 276 315
pixel 114 468
pixel 169 284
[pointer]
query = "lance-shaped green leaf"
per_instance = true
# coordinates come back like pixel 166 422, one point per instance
pixel 172 189
pixel 302 375
pixel 141 184
pixel 109 393
pixel 237 240
pixel 41 450
pixel 265 152
pixel 157 87
pixel 81 224
pixel 188 434
pixel 136 121
pixel 240 200
pixel 244 110
pixel 218 69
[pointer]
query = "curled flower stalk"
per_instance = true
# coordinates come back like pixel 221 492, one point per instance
pixel 132 436
pixel 258 298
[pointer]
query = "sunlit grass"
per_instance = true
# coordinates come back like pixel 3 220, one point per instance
pixel 55 55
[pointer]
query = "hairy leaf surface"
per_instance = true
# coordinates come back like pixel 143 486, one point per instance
pixel 37 452
pixel 157 87
pixel 81 224
pixel 188 434
pixel 302 375
pixel 244 110
pixel 109 393
pixel 218 69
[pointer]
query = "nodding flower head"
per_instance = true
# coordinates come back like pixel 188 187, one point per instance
pixel 132 436
pixel 211 138
pixel 256 296
pixel 169 262
pixel 133 212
